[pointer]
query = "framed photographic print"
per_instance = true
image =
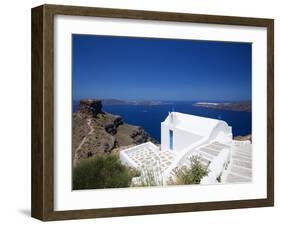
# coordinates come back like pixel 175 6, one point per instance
pixel 141 112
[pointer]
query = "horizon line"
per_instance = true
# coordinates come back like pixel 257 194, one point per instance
pixel 195 100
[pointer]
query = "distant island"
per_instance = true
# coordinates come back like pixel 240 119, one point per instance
pixel 245 106
pixel 130 102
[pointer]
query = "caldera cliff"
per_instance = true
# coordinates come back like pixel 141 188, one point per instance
pixel 97 132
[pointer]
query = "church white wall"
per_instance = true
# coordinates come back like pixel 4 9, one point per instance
pixel 164 137
pixel 182 139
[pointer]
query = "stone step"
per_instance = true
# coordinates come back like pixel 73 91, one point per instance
pixel 241 171
pixel 234 178
pixel 243 154
pixel 214 147
pixel 246 154
pixel 206 156
pixel 210 151
pixel 242 164
pixel 221 145
pixel 240 158
pixel 243 148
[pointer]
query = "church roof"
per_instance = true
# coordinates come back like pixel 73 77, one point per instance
pixel 194 124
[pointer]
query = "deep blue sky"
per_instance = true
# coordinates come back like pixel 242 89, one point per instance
pixel 160 69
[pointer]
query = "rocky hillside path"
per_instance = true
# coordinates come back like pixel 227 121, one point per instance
pixel 86 137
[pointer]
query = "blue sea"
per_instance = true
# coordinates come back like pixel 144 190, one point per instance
pixel 150 117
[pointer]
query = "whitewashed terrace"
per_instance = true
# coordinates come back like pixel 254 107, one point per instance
pixel 239 169
pixel 149 156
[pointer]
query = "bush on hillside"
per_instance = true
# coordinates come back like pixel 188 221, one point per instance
pixel 104 171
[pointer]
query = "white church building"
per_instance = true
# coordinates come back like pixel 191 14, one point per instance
pixel 184 136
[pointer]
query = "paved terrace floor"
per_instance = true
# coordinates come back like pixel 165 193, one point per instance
pixel 148 157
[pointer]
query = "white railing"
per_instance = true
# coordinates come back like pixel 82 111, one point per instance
pixel 217 166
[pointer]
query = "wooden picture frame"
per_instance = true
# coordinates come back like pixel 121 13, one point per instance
pixel 43 112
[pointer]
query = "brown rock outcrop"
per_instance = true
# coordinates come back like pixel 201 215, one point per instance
pixel 90 107
pixel 96 132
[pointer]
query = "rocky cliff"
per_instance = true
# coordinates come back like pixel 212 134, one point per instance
pixel 97 132
pixel 244 138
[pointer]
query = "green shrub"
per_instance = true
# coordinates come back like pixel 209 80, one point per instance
pixel 149 176
pixel 189 175
pixel 104 171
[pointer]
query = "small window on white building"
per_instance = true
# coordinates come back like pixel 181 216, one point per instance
pixel 171 139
